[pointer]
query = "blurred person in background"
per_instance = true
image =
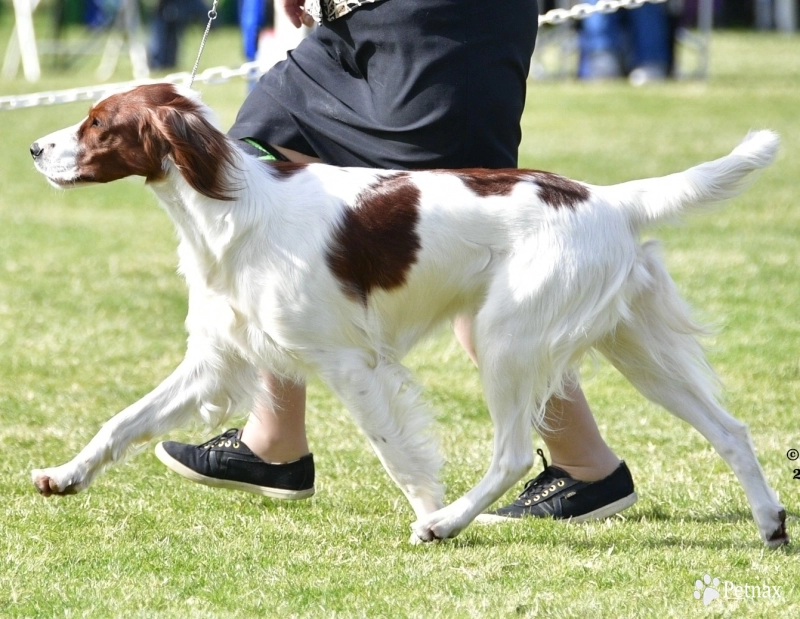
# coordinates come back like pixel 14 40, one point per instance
pixel 636 43
pixel 169 22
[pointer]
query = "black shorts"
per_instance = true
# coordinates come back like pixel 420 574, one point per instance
pixel 402 84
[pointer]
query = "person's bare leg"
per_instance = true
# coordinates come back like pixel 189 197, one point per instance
pixel 276 428
pixel 575 443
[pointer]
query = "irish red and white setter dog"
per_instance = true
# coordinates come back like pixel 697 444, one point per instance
pixel 314 269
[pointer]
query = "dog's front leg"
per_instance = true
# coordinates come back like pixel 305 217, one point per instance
pixel 387 406
pixel 506 377
pixel 209 379
pixel 512 458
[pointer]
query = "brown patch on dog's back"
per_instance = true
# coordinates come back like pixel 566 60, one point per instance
pixel 558 191
pixel 492 182
pixel 554 190
pixel 376 241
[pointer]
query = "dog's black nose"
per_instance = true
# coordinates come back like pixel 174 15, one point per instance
pixel 36 150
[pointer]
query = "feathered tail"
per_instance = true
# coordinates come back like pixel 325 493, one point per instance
pixel 650 200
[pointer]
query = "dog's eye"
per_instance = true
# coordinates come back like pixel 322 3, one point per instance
pixel 95 122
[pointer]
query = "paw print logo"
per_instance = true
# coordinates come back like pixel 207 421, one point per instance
pixel 706 589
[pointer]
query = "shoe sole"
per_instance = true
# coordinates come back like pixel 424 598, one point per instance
pixel 599 514
pixel 184 471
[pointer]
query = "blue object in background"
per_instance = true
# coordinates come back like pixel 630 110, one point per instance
pixel 251 19
pixel 619 43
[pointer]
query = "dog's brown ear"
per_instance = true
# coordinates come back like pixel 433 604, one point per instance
pixel 201 153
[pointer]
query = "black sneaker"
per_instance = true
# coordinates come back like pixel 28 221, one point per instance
pixel 553 493
pixel 226 462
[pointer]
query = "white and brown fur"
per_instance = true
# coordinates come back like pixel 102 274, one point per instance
pixel 314 269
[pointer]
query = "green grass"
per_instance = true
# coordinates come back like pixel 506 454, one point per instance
pixel 91 315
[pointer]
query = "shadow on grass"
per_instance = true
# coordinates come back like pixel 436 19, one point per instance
pixel 624 542
pixel 753 544
pixel 655 513
pixel 633 534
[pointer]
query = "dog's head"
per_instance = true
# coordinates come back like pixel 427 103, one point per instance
pixel 138 133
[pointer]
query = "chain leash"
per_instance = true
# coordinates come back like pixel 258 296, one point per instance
pixel 212 15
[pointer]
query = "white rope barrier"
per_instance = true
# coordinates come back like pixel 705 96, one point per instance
pixel 252 70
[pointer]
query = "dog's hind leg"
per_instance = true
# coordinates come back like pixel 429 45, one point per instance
pixel 657 351
pixel 526 340
pixel 211 380
pixel 387 405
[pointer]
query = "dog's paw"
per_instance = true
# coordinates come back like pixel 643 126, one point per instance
pixel 777 535
pixel 439 525
pixel 55 481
